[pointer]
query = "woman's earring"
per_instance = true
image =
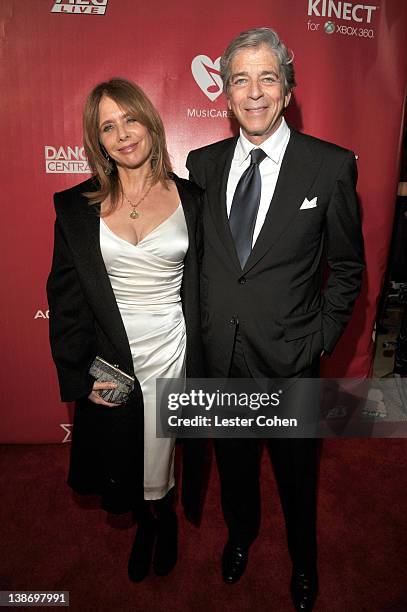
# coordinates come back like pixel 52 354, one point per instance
pixel 154 160
pixel 109 166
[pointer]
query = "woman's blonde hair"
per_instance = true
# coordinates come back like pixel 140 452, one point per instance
pixel 132 99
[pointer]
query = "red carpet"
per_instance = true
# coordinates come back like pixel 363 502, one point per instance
pixel 51 540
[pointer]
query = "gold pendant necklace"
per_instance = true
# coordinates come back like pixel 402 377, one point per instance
pixel 135 213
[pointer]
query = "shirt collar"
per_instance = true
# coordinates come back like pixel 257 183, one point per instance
pixel 273 146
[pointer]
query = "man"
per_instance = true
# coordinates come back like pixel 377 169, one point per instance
pixel 278 205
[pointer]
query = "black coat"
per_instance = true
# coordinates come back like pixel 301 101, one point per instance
pixel 107 447
pixel 286 315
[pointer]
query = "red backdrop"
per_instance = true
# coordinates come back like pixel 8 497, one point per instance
pixel 351 64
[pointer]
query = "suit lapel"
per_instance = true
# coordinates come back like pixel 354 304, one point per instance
pixel 297 173
pixel 216 191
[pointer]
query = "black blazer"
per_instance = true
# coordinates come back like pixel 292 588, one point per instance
pixel 107 444
pixel 286 315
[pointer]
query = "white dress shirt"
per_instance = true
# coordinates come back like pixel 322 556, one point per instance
pixel 274 147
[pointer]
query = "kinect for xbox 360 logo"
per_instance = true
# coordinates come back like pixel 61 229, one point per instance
pixel 361 13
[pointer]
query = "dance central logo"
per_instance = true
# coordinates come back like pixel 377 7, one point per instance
pixel 207 75
pixel 66 160
pixel 80 7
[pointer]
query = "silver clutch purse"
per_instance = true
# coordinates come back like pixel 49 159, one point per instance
pixel 104 371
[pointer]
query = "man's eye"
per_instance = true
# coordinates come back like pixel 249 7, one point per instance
pixel 270 79
pixel 240 82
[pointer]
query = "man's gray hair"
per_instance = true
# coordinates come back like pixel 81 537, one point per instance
pixel 256 38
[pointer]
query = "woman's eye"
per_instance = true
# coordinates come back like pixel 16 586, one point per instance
pixel 131 120
pixel 106 128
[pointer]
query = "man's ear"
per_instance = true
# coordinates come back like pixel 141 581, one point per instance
pixel 287 99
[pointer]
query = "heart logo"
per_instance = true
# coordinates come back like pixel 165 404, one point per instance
pixel 207 75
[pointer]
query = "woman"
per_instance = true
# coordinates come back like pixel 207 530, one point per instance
pixel 125 252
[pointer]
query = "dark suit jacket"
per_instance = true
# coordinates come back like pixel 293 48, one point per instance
pixel 85 321
pixel 286 315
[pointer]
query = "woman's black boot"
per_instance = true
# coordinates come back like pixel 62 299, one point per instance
pixel 166 548
pixel 142 549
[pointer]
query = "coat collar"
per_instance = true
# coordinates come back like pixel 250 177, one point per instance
pixel 188 202
pixel 96 282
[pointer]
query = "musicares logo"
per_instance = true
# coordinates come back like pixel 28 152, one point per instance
pixel 80 7
pixel 207 75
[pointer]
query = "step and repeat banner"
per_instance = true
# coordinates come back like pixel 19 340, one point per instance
pixel 351 66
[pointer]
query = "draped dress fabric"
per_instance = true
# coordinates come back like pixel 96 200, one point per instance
pixel 146 281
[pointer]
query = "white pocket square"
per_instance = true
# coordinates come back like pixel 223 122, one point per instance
pixel 309 203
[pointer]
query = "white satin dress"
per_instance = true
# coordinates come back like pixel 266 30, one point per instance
pixel 146 280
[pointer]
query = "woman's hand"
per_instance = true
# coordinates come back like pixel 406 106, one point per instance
pixel 95 397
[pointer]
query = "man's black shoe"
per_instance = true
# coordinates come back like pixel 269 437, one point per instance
pixel 234 561
pixel 304 590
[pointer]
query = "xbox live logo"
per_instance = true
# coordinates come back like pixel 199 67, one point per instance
pixel 329 27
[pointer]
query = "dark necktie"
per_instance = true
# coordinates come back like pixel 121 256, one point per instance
pixel 245 205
